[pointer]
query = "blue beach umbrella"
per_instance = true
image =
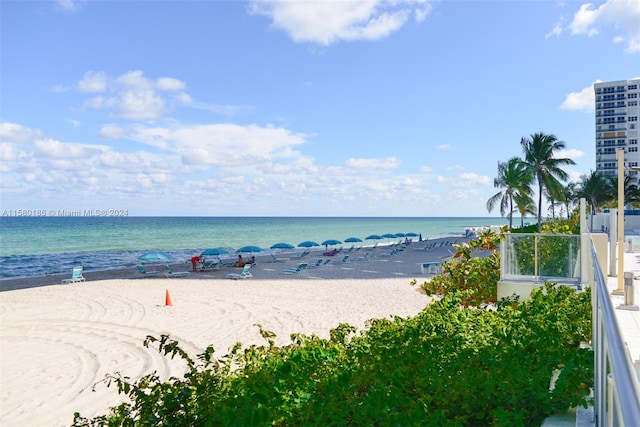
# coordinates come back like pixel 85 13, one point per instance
pixel 389 236
pixel 154 256
pixel 412 234
pixel 401 235
pixel 281 246
pixel 214 251
pixel 331 242
pixel 373 237
pixel 250 249
pixel 352 240
pixel 307 244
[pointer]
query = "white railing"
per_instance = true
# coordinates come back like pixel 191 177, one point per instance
pixel 537 258
pixel 616 387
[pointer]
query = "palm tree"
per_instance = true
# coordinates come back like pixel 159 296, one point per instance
pixel 596 189
pixel 539 151
pixel 525 205
pixel 514 180
pixel 570 197
pixel 553 202
pixel 631 190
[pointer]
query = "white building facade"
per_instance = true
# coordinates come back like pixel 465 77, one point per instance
pixel 616 115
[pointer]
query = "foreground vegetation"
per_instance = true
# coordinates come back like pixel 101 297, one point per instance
pixel 452 364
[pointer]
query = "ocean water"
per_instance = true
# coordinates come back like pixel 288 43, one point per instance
pixel 35 246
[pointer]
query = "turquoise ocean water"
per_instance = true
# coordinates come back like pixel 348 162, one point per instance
pixel 35 246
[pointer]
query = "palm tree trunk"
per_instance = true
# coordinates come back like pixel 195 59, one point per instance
pixel 539 205
pixel 510 213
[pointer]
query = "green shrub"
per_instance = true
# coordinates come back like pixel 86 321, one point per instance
pixel 477 277
pixel 446 366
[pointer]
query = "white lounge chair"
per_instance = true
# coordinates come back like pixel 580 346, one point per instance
pixel 295 270
pixel 76 276
pixel 146 273
pixel 170 273
pixel 244 274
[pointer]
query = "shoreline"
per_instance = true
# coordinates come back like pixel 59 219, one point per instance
pixel 265 266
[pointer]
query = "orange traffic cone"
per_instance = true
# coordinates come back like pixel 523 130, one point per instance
pixel 167 298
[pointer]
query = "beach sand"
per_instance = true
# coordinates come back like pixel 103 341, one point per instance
pixel 57 341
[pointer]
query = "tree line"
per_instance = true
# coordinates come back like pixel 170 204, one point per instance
pixel 540 165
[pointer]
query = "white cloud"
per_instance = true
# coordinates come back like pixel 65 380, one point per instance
pixel 111 131
pixel 54 149
pixel 327 22
pixel 373 164
pixel 93 82
pixel 583 100
pixel 170 84
pixel 623 15
pixel 263 164
pixel 132 96
pixel 234 145
pixel 466 179
pixel 556 31
pixel 15 133
pixel 572 154
pixel 427 169
pixel 69 5
pixel 443 147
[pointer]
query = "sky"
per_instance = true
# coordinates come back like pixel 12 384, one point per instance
pixel 294 108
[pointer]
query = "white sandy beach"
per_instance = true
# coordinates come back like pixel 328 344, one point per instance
pixel 57 341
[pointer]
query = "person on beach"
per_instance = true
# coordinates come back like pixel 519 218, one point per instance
pixel 239 262
pixel 252 260
pixel 194 262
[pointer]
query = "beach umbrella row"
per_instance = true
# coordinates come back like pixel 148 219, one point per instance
pixel 157 256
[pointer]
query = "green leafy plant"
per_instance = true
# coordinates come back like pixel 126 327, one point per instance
pixel 476 276
pixel 445 366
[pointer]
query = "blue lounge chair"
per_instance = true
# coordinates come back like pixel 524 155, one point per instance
pixel 344 260
pixel 244 274
pixel 431 267
pixel 210 266
pixel 302 255
pixel 317 264
pixel 276 259
pixel 295 270
pixel 146 273
pixel 76 276
pixel 170 273
pixel 364 257
pixel 226 262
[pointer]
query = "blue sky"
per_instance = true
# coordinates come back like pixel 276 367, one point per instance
pixel 295 108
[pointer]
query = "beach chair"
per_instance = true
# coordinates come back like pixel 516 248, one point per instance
pixel 431 267
pixel 295 270
pixel 364 257
pixel 244 274
pixel 210 266
pixel 302 255
pixel 344 260
pixel 170 273
pixel 390 253
pixel 76 276
pixel 146 273
pixel 226 263
pixel 317 264
pixel 276 259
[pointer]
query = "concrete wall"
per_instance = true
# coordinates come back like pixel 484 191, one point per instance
pixel 602 222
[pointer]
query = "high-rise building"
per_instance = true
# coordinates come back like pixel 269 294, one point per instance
pixel 617 124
